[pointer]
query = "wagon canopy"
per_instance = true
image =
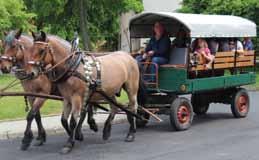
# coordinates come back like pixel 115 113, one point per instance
pixel 197 25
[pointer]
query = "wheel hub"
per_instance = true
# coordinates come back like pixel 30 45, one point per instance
pixel 242 104
pixel 183 114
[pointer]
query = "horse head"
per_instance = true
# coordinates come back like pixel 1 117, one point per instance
pixel 12 50
pixel 40 54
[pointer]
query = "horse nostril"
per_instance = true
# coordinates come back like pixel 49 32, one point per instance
pixel 5 70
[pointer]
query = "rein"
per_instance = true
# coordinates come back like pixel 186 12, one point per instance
pixel 10 85
pixel 59 63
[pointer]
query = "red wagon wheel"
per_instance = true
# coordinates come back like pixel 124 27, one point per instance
pixel 240 103
pixel 181 114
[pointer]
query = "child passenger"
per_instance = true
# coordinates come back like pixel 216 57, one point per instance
pixel 204 52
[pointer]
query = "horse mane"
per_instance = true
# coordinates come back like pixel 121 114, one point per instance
pixel 60 47
pixel 10 38
pixel 61 41
pixel 26 38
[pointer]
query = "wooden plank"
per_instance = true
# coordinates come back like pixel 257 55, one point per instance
pixel 249 53
pixel 224 66
pixel 231 65
pixel 232 59
pixel 225 54
pixel 198 68
pixel 245 64
pixel 230 54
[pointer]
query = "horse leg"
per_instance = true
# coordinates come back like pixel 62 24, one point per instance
pixel 65 115
pixel 91 120
pixel 133 105
pixel 107 125
pixel 41 139
pixel 76 108
pixel 41 131
pixel 28 135
pixel 79 135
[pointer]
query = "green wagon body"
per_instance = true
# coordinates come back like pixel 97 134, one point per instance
pixel 175 80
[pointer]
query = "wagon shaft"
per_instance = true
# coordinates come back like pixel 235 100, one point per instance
pixel 14 94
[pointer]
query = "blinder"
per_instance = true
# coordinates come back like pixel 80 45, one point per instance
pixel 41 64
pixel 12 59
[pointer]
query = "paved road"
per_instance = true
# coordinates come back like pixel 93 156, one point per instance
pixel 216 136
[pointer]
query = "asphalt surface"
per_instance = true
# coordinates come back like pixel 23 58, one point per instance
pixel 216 136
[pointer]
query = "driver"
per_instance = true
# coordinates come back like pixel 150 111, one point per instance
pixel 157 49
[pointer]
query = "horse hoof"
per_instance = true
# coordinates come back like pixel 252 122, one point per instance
pixel 79 137
pixel 106 136
pixel 130 138
pixel 94 127
pixel 24 147
pixel 38 143
pixel 66 150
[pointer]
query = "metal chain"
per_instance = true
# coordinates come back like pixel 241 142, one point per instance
pixel 26 104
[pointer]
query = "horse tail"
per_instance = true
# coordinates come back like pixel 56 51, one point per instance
pixel 142 90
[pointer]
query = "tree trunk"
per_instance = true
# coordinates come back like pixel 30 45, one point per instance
pixel 83 25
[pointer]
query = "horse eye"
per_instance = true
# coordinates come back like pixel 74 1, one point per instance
pixel 42 51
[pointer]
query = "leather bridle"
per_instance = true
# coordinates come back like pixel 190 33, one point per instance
pixel 41 63
pixel 12 59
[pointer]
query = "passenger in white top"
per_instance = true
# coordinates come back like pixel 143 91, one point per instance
pixel 236 46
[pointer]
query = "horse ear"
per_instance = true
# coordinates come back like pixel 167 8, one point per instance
pixel 43 35
pixel 18 33
pixel 33 34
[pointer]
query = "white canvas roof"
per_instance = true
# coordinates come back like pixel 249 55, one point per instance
pixel 197 25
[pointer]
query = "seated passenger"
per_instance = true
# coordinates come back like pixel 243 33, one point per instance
pixel 236 45
pixel 157 49
pixel 223 45
pixel 213 45
pixel 182 39
pixel 248 44
pixel 204 52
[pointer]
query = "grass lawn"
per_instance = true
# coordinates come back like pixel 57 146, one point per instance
pixel 14 107
pixel 256 85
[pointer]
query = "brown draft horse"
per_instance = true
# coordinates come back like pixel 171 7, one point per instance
pixel 118 70
pixel 16 47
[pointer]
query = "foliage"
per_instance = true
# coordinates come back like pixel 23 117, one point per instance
pixel 14 14
pixel 245 8
pixel 62 17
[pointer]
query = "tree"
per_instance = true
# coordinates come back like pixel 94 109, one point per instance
pixel 97 20
pixel 14 15
pixel 244 8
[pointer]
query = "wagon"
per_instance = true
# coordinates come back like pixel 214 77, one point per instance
pixel 220 84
